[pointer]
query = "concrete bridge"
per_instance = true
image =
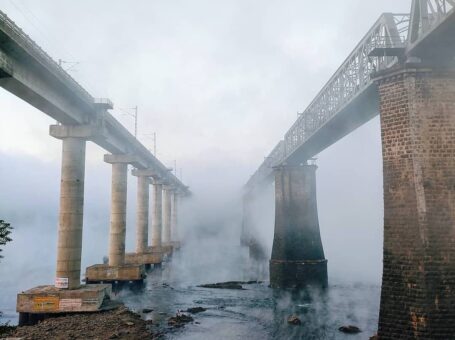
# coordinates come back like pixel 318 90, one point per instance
pixel 30 74
pixel 404 70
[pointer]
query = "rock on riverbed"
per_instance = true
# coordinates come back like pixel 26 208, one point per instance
pixel 120 323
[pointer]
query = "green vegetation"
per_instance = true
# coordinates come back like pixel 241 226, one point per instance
pixel 5 231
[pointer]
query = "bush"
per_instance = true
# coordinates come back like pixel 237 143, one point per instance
pixel 5 231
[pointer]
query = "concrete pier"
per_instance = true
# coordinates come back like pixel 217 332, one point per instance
pixel 117 269
pixel 144 255
pixel 175 238
pixel 67 294
pixel 157 220
pixel 118 214
pixel 246 220
pixel 142 217
pixel 297 254
pixel 417 108
pixel 69 248
pixel 167 201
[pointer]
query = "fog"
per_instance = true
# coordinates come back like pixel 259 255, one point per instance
pixel 220 83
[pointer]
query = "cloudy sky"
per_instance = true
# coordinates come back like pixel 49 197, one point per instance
pixel 220 82
pixel 210 77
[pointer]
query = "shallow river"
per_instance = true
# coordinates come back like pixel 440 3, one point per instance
pixel 258 312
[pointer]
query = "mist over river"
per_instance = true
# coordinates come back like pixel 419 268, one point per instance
pixel 258 312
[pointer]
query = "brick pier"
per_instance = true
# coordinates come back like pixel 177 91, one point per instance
pixel 297 255
pixel 417 108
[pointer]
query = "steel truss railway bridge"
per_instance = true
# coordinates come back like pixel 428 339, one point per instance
pixel 403 70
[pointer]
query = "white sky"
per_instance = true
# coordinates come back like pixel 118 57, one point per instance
pixel 210 77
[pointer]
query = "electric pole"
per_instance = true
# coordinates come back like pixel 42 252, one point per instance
pixel 134 115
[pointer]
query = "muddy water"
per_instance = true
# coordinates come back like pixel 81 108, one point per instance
pixel 257 312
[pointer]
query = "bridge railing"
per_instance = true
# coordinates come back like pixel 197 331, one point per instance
pixel 390 31
pixel 427 14
pixel 18 35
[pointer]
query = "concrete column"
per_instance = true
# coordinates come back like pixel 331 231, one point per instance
pixel 167 197
pixel 71 215
pixel 246 220
pixel 174 216
pixel 297 254
pixel 118 214
pixel 157 222
pixel 417 109
pixel 142 217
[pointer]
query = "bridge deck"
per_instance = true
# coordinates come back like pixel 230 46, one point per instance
pixel 350 98
pixel 32 75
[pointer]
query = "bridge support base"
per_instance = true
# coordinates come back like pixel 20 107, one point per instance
pixel 167 248
pixel 41 302
pixel 418 122
pixel 297 255
pixel 298 273
pixel 105 273
pixel 145 258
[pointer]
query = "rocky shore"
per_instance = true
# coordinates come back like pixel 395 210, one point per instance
pixel 119 323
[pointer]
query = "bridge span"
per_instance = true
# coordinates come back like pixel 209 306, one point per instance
pixel 404 70
pixel 32 75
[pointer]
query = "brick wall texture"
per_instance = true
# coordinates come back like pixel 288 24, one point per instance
pixel 417 109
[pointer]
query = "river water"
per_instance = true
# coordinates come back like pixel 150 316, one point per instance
pixel 257 312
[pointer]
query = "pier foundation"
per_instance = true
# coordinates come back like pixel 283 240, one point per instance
pixel 297 255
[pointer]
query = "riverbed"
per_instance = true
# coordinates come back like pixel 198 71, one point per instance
pixel 255 312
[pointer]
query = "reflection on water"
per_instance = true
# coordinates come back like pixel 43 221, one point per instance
pixel 258 312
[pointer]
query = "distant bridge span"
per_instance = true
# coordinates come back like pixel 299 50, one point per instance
pixel 404 70
pixel 350 97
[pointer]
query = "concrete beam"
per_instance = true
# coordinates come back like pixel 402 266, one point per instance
pixel 125 159
pixel 86 131
pixel 149 172
pixel 30 74
pixel 43 90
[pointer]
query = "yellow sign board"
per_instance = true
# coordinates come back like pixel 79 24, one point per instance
pixel 45 303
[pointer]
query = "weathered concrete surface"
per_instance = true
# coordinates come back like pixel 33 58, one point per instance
pixel 157 220
pixel 48 299
pixel 297 254
pixel 418 141
pixel 69 248
pixel 174 216
pixel 167 198
pixel 107 273
pixel 147 257
pixel 118 214
pixel 142 216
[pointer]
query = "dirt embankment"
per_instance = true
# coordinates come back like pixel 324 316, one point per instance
pixel 115 324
